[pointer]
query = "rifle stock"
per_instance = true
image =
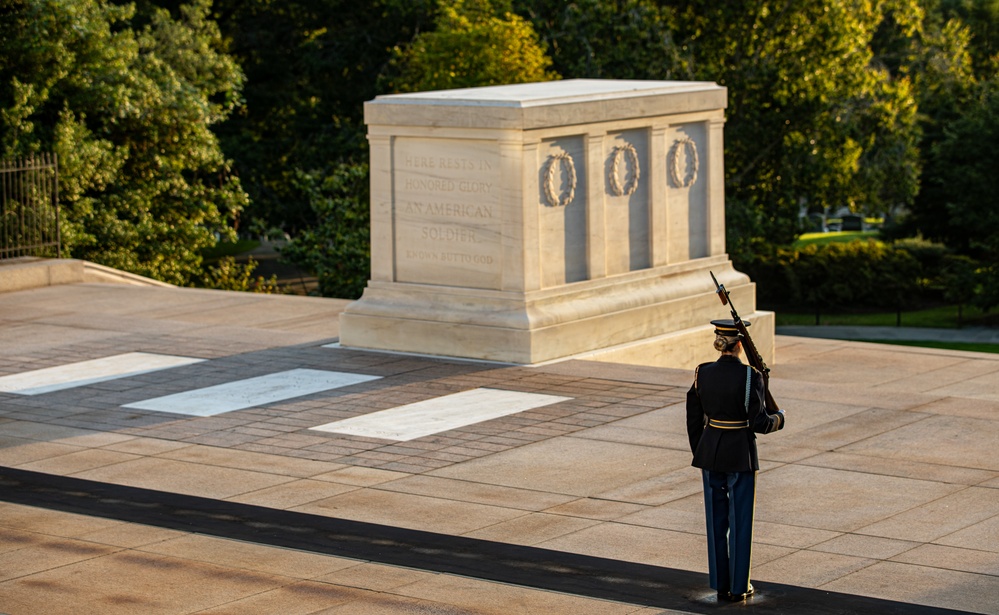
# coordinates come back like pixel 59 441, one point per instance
pixel 752 354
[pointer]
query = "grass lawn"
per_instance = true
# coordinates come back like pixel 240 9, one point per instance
pixel 834 237
pixel 944 317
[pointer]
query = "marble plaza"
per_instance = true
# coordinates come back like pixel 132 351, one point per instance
pixel 880 497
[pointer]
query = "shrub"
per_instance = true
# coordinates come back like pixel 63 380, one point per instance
pixel 337 248
pixel 860 274
pixel 227 274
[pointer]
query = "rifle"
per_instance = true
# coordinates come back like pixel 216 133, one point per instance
pixel 752 354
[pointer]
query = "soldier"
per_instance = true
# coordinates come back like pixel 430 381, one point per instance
pixel 726 408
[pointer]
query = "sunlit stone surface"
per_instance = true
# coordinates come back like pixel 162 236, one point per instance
pixel 536 222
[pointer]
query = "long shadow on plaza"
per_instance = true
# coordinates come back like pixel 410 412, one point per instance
pixel 526 566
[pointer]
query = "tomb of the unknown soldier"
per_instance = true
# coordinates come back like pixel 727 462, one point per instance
pixel 535 222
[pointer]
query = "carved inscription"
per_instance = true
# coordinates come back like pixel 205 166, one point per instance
pixel 447 213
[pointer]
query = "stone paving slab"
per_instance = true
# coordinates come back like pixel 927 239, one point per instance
pixel 884 484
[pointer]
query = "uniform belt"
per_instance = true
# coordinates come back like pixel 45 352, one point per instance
pixel 727 424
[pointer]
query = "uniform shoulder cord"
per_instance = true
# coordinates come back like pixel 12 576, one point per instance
pixel 749 381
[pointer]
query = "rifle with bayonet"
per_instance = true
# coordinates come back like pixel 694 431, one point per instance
pixel 752 354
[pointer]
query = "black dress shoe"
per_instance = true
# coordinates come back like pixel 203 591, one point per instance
pixel 730 597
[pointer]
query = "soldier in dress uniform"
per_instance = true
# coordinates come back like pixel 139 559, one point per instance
pixel 726 408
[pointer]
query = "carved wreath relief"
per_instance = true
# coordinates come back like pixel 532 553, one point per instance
pixel 555 197
pixel 683 163
pixel 620 152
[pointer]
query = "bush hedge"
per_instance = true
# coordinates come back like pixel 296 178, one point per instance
pixel 838 276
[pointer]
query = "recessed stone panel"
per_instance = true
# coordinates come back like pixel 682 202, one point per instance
pixel 687 194
pixel 562 210
pixel 447 212
pixel 627 196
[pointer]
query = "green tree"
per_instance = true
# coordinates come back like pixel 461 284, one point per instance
pixel 337 248
pixel 129 111
pixel 967 185
pixel 981 17
pixel 602 39
pixel 937 60
pixel 473 44
pixel 310 65
pixel 956 80
pixel 813 117
pixel 959 278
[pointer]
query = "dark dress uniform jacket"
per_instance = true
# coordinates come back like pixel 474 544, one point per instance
pixel 719 392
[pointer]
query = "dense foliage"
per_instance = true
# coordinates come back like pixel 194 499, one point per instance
pixel 129 109
pixel 310 65
pixel 883 106
pixel 835 276
pixel 471 45
pixel 864 275
pixel 336 248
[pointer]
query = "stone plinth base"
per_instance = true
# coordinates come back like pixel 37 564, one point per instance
pixel 688 348
pixel 654 309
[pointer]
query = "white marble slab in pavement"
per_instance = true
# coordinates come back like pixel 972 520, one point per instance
pixel 251 392
pixel 432 416
pixel 81 373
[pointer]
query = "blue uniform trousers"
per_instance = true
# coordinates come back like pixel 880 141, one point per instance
pixel 729 504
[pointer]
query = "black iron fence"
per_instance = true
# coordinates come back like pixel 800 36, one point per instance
pixel 29 207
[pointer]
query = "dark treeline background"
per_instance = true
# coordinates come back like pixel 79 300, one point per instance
pixel 181 124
